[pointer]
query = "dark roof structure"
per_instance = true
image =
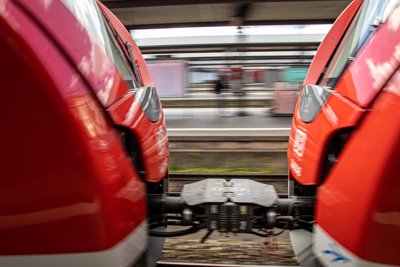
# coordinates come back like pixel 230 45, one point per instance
pixel 148 14
pixel 156 14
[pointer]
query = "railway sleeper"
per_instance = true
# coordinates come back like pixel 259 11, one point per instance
pixel 234 206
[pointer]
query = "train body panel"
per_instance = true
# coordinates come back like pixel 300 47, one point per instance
pixel 350 167
pixel 85 49
pixel 70 193
pixel 81 45
pixel 362 187
pixel 151 136
pixel 308 141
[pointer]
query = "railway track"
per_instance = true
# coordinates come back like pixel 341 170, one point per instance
pixel 178 180
pixel 243 250
pixel 222 149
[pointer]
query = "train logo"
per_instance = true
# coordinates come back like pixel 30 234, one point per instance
pixel 299 143
pixel 336 253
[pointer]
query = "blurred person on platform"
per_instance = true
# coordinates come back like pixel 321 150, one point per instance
pixel 220 99
pixel 237 87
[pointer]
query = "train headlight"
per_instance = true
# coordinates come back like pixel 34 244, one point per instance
pixel 148 99
pixel 312 99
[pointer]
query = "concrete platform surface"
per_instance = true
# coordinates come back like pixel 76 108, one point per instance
pixel 229 122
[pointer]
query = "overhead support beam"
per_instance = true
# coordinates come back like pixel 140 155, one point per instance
pixel 243 9
pixel 240 15
pixel 228 23
pixel 239 47
pixel 222 50
pixel 230 58
pixel 157 14
pixel 151 3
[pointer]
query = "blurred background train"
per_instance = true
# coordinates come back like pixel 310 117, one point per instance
pixel 84 147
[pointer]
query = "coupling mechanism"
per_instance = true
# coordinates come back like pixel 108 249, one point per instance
pixel 234 206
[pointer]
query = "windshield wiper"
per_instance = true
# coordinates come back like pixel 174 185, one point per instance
pixel 128 48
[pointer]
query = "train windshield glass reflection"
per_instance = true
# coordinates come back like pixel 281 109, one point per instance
pixel 90 17
pixel 371 14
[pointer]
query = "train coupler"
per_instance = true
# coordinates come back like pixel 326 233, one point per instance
pixel 231 206
pixel 234 206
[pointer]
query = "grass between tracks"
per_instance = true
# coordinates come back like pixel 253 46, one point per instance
pixel 233 166
pixel 204 170
pixel 195 163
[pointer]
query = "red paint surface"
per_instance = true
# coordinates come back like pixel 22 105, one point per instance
pixel 358 202
pixel 358 205
pixel 373 65
pixel 66 184
pixel 152 137
pixel 337 113
pixel 127 112
pixel 80 48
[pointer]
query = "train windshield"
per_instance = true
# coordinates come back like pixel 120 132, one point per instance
pixel 371 14
pixel 90 17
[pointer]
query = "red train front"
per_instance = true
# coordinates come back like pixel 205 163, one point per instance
pixel 344 148
pixel 83 137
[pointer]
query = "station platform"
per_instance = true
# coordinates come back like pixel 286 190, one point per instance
pixel 239 138
pixel 201 114
pixel 207 100
pixel 201 140
pixel 229 122
pixel 204 96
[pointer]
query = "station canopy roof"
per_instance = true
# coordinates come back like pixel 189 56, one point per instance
pixel 157 14
pixel 149 14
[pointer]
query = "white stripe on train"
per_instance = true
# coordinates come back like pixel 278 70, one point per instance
pixel 122 254
pixel 330 253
